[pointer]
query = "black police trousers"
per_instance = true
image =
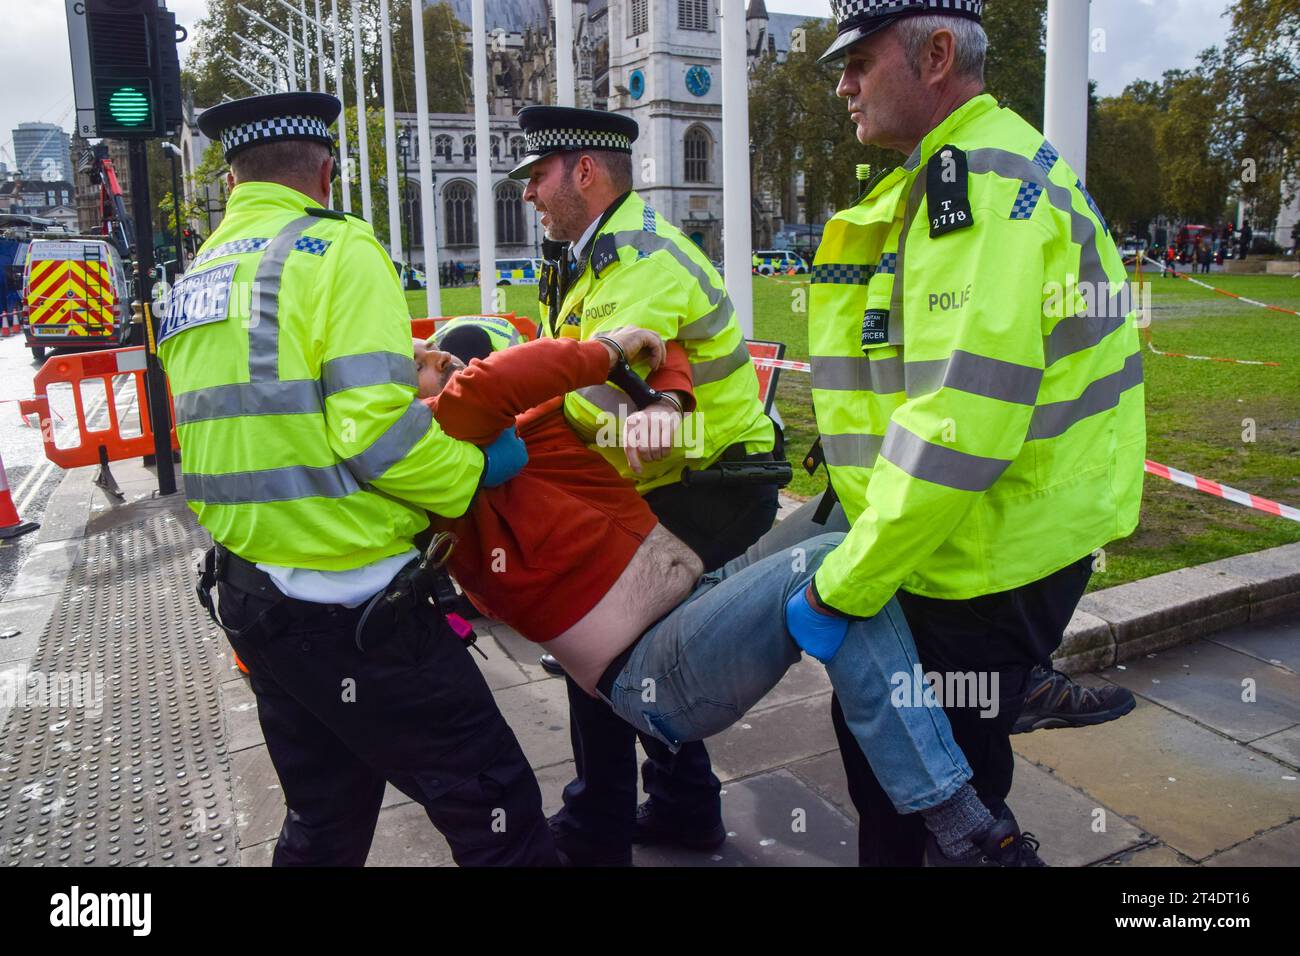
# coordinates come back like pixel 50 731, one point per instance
pixel 1007 634
pixel 718 523
pixel 412 709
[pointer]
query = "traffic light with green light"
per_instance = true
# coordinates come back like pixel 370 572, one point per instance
pixel 133 67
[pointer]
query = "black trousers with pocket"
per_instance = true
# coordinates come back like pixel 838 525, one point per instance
pixel 1004 635
pixel 411 709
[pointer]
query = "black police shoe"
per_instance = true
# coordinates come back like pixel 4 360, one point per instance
pixel 551 665
pixel 574 851
pixel 1002 845
pixel 1056 701
pixel 652 831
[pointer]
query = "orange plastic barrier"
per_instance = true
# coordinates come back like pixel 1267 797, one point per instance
pixel 423 328
pixel 76 368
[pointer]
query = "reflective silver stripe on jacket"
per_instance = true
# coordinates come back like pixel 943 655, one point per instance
pixel 851 373
pixel 975 374
pixel 707 371
pixel 940 464
pixel 851 450
pixel 720 308
pixel 1102 395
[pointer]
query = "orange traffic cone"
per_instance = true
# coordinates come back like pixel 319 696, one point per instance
pixel 11 526
pixel 5 328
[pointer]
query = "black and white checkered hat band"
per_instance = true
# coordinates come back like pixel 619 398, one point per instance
pixel 851 12
pixel 550 140
pixel 281 127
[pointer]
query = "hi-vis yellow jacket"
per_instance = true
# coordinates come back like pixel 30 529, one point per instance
pixel 976 370
pixel 639 270
pixel 288 348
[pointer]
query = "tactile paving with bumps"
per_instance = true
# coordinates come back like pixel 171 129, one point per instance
pixel 133 770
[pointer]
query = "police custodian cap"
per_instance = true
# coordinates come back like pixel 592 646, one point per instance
pixel 255 120
pixel 856 19
pixel 561 129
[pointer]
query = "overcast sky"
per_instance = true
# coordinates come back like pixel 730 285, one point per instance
pixel 1143 38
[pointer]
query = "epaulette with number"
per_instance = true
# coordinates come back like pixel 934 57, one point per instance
pixel 947 191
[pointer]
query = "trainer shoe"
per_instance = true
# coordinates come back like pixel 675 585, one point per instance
pixel 1054 700
pixel 652 831
pixel 1002 845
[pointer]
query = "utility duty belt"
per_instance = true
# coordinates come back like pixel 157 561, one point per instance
pixel 414 590
pixel 735 467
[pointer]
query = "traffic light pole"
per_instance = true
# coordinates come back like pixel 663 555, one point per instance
pixel 155 381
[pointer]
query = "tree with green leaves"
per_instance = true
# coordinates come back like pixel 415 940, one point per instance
pixel 208 75
pixel 1124 168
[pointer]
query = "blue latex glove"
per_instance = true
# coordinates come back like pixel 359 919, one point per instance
pixel 818 634
pixel 504 458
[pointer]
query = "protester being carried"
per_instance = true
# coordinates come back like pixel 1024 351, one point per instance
pixel 569 555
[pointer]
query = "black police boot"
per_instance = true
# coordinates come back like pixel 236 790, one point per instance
pixel 551 665
pixel 1056 701
pixel 652 831
pixel 1002 845
pixel 574 851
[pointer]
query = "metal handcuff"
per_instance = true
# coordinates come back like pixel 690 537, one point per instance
pixel 643 395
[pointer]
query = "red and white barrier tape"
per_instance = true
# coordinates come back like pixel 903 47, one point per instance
pixel 1205 485
pixel 1234 495
pixel 1230 295
pixel 1207 358
pixel 783 363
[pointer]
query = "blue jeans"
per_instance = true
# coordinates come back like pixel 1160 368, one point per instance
pixel 697 670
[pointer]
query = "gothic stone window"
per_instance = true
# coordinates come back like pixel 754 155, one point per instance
pixel 411 212
pixel 639 21
pixel 510 214
pixel 698 146
pixel 471 149
pixel 693 14
pixel 517 146
pixel 458 206
pixel 442 147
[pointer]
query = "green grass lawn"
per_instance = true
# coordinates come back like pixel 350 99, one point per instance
pixel 1198 413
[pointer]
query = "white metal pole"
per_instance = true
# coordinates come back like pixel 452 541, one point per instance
pixel 487 224
pixel 564 82
pixel 390 137
pixel 432 294
pixel 293 65
pixel 344 179
pixel 1065 104
pixel 320 50
pixel 363 137
pixel 736 242
pixel 306 47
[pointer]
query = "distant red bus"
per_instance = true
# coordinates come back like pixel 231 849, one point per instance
pixel 1190 239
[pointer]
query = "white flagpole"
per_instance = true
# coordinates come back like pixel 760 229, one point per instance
pixel 320 49
pixel 487 225
pixel 345 181
pixel 390 137
pixel 306 50
pixel 564 82
pixel 736 211
pixel 363 138
pixel 432 294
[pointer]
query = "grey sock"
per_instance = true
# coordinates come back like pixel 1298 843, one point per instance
pixel 956 820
